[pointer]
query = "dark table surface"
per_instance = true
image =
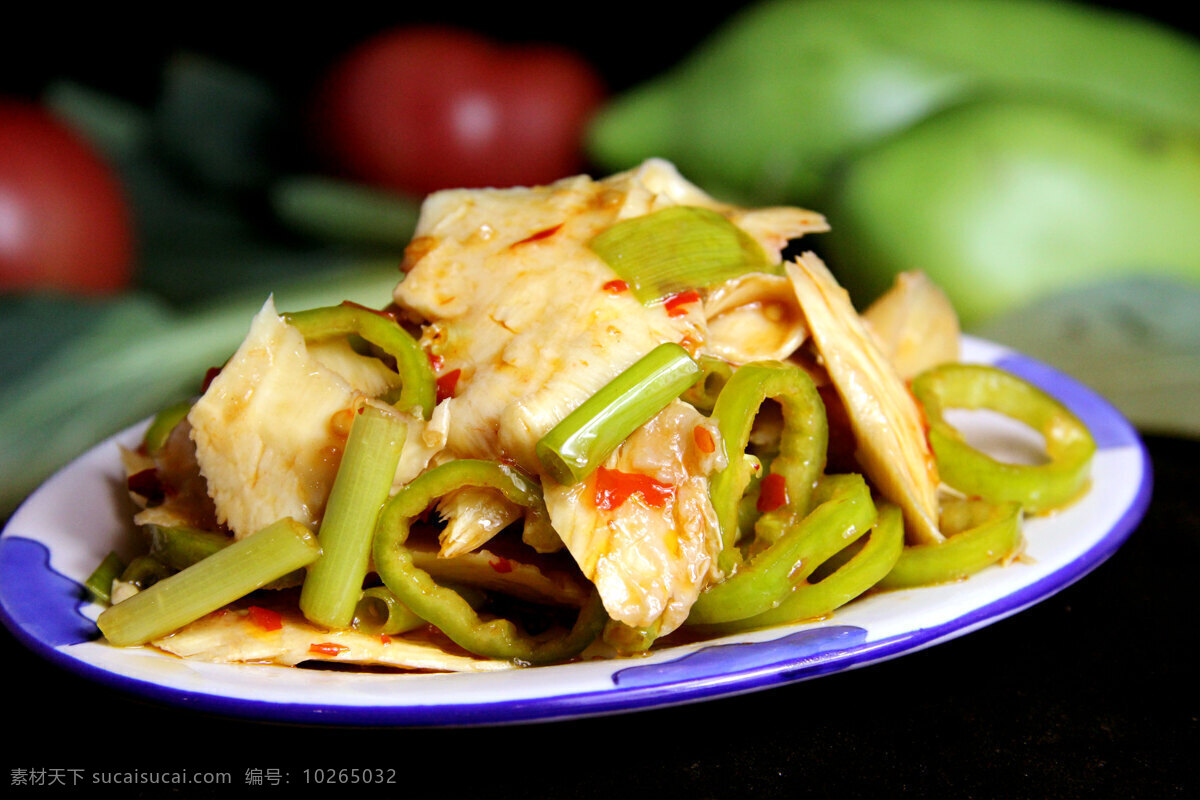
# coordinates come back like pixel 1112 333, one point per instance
pixel 1091 693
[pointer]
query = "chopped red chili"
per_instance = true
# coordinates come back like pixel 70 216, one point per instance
pixel 542 234
pixel 772 493
pixel 446 384
pixel 705 442
pixel 327 648
pixel 616 286
pixel 676 302
pixel 614 487
pixel 501 564
pixel 265 618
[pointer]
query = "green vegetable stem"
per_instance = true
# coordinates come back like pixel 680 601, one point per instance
pixel 586 436
pixel 333 585
pixel 227 575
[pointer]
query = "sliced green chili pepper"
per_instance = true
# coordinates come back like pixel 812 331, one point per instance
pixel 444 607
pixel 418 386
pixel 978 534
pixel 164 422
pixel 145 571
pixel 180 546
pixel 802 447
pixel 844 512
pixel 1040 487
pixel 703 394
pixel 856 575
pixel 628 640
pixel 380 611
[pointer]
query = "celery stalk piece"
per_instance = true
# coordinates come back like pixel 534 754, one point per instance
pixel 576 446
pixel 678 248
pixel 218 580
pixel 364 478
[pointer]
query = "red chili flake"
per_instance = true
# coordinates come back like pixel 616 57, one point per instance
pixel 542 234
pixel 209 376
pixel 265 618
pixel 148 484
pixel 614 487
pixel 501 564
pixel 705 442
pixel 435 362
pixel 772 493
pixel 327 648
pixel 676 302
pixel 616 286
pixel 447 383
pixel 385 639
pixel 382 312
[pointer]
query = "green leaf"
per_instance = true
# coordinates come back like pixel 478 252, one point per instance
pixel 340 212
pixel 225 128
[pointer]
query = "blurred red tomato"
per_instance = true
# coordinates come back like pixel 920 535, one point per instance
pixel 422 108
pixel 64 223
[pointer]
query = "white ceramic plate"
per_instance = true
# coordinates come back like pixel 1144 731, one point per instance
pixel 62 531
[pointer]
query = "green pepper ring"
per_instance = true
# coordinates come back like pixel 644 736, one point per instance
pixel 858 574
pixel 801 458
pixel 1037 488
pixel 164 422
pixel 418 387
pixel 445 608
pixel 844 513
pixel 996 536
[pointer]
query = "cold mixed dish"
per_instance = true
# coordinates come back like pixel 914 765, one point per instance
pixel 596 417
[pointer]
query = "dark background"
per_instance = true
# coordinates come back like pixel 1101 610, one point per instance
pixel 1089 694
pixel 123 52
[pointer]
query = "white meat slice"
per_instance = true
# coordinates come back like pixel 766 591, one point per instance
pixel 231 636
pixel 270 429
pixel 753 317
pixel 515 297
pixel 648 563
pixel 889 431
pixel 915 325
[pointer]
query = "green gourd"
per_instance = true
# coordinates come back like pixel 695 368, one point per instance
pixel 1003 201
pixel 788 90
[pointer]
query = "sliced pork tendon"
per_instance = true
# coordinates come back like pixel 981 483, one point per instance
pixel 889 430
pixel 238 636
pixel 270 428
